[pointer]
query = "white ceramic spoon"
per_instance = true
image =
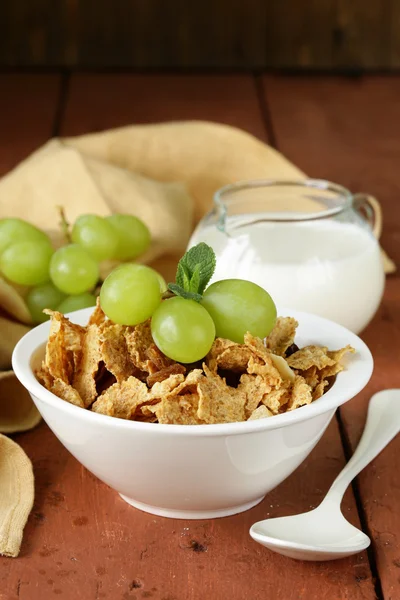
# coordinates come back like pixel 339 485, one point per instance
pixel 324 533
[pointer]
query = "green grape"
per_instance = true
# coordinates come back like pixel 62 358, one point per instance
pixel 27 263
pixel 16 230
pixel 161 281
pixel 130 294
pixel 238 306
pixel 73 270
pixel 43 296
pixel 96 235
pixel 72 303
pixel 133 236
pixel 182 329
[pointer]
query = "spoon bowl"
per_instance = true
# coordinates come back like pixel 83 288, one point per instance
pixel 320 534
pixel 324 533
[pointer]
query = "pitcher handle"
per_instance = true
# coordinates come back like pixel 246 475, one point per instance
pixel 370 209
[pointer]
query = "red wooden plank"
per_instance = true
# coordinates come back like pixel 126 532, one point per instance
pixel 82 541
pixel 349 131
pixel 101 101
pixel 28 105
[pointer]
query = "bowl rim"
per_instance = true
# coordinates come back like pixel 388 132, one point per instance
pixel 348 383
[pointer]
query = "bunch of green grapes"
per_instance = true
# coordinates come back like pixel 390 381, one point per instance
pixel 186 319
pixel 65 279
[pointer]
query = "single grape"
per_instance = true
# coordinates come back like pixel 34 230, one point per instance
pixel 133 236
pixel 27 263
pixel 237 306
pixel 96 235
pixel 43 296
pixel 130 294
pixel 182 329
pixel 16 230
pixel 73 270
pixel 77 302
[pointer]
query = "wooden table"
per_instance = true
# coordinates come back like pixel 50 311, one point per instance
pixel 82 541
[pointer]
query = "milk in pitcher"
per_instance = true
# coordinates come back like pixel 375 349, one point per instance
pixel 325 267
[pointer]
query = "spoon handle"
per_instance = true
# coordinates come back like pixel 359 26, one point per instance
pixel 383 423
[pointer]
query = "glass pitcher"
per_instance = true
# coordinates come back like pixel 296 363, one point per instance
pixel 310 243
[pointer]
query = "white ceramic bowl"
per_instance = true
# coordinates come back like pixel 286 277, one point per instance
pixel 198 471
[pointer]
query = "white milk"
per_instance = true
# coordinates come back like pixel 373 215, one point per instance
pixel 327 268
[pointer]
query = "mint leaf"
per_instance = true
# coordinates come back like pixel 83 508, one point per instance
pixel 183 276
pixel 195 279
pixel 179 291
pixel 196 268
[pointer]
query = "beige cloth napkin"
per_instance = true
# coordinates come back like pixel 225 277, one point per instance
pixel 16 495
pixel 166 174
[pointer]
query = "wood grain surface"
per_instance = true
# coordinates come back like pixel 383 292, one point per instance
pixel 82 541
pixel 28 108
pixel 97 102
pixel 328 34
pixel 348 131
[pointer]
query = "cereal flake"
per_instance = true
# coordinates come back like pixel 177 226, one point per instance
pixel 261 412
pixel 282 335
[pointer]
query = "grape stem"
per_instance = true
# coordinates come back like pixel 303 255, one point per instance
pixel 64 225
pixel 167 294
